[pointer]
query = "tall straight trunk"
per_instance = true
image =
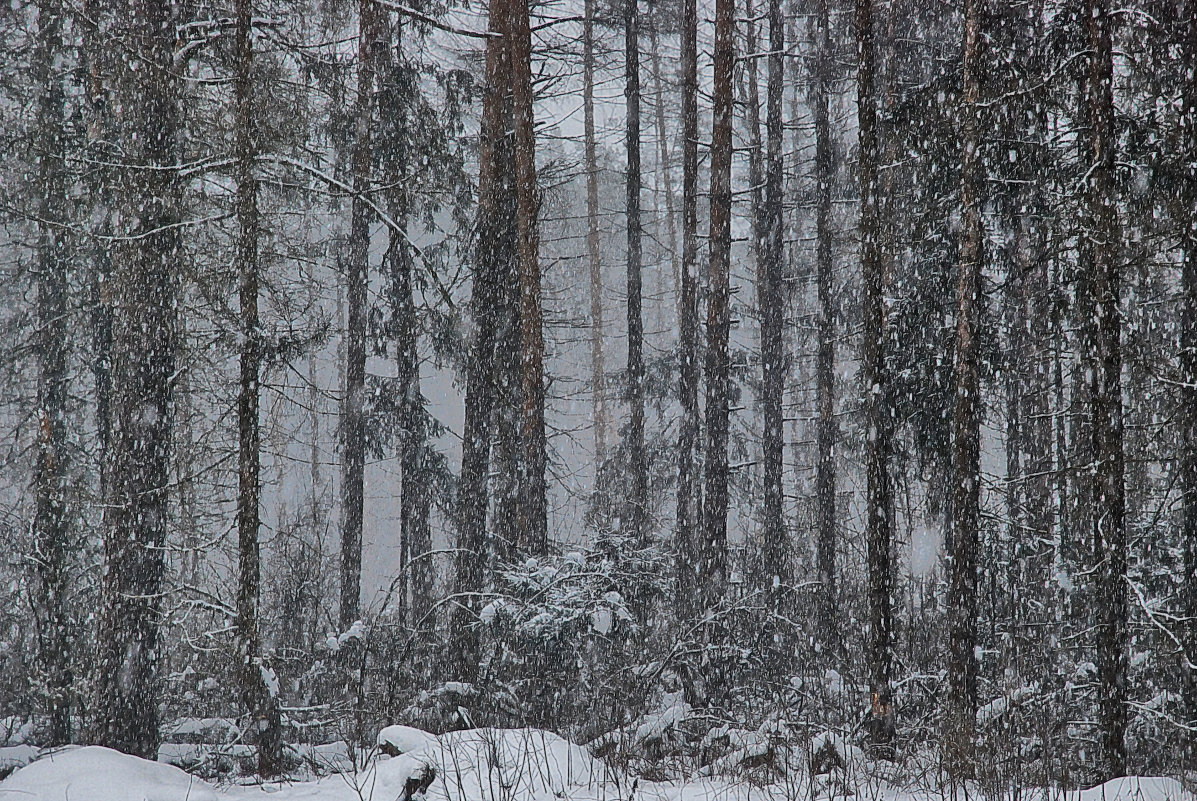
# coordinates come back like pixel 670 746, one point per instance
pixel 878 415
pixel 599 380
pixel 255 689
pixel 635 515
pixel 52 546
pixel 1109 492
pixel 773 358
pixel 533 457
pixel 666 160
pixel 144 326
pixel 960 736
pixel 688 498
pixel 357 282
pixel 1188 362
pixel 395 98
pixel 98 16
pixel 494 251
pixel 828 428
pixel 713 548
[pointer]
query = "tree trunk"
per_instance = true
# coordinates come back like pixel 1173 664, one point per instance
pixel 878 414
pixel 960 736
pixel 357 280
pixel 828 428
pixel 1188 363
pixel 666 170
pixel 772 303
pixel 533 457
pixel 494 252
pixel 635 515
pixel 599 386
pixel 52 542
pixel 686 551
pixel 1109 493
pixel 396 95
pixel 144 319
pixel 713 550
pixel 262 704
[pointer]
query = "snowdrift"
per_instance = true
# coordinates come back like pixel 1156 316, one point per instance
pixel 92 773
pixel 471 765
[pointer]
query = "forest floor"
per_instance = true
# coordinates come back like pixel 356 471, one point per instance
pixel 485 765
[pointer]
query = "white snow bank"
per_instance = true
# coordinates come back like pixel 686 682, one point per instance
pixel 494 764
pixel 1135 788
pixel 395 740
pixel 100 774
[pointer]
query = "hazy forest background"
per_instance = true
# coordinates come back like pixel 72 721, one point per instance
pixel 668 375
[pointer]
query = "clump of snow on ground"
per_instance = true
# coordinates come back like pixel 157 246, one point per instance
pixel 92 773
pixel 396 740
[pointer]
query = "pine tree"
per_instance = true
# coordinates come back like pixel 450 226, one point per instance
pixel 144 326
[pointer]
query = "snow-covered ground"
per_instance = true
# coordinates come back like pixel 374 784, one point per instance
pixel 473 765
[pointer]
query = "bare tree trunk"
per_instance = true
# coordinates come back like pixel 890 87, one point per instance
pixel 357 280
pixel 533 446
pixel 52 542
pixel 1188 363
pixel 665 165
pixel 1109 491
pixel 960 736
pixel 878 414
pixel 828 428
pixel 261 703
pixel 144 321
pixel 686 550
pixel 713 550
pixel 494 251
pixel 635 514
pixel 395 98
pixel 772 303
pixel 599 386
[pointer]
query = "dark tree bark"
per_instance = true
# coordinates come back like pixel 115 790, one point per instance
pixel 533 456
pixel 495 248
pixel 357 281
pixel 396 95
pixel 713 548
pixel 828 428
pixel 772 302
pixel 53 545
pixel 1109 492
pixel 1188 363
pixel 666 160
pixel 261 703
pixel 635 514
pixel 686 552
pixel 144 326
pixel 878 413
pixel 960 737
pixel 599 386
